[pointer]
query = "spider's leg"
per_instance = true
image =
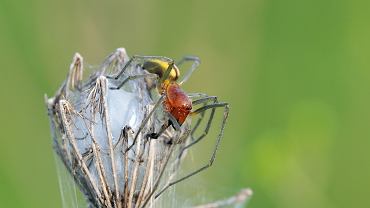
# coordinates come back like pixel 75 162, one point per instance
pixel 174 122
pixel 82 138
pixel 145 121
pixel 171 122
pixel 138 58
pixel 218 140
pixel 204 101
pixel 194 66
pixel 167 72
pixel 133 77
pixel 162 170
pixel 160 132
pixel 163 78
pixel 143 58
pixel 88 157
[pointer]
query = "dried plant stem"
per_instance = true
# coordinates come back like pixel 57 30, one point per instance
pixel 147 172
pixel 99 165
pixel 126 172
pixel 95 146
pixel 103 82
pixel 64 105
pixel 239 198
pixel 168 155
pixel 134 173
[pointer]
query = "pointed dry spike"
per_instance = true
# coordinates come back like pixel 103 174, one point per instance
pixel 121 54
pixel 115 59
pixel 104 87
pixel 75 72
pixel 64 105
pixel 48 102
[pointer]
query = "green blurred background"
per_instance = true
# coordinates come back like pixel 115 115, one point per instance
pixel 296 74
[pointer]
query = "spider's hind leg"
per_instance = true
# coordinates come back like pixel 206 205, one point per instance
pixel 200 110
pixel 205 100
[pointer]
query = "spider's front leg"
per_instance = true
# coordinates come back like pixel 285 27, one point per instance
pixel 138 58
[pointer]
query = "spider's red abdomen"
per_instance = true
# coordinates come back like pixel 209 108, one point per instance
pixel 177 102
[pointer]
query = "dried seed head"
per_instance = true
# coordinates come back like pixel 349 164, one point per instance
pixel 100 133
pixel 123 142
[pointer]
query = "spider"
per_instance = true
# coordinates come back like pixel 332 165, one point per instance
pixel 177 103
